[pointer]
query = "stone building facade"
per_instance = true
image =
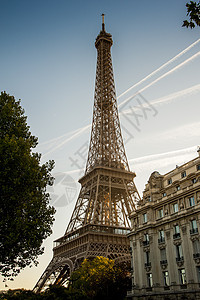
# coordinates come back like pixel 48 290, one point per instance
pixel 165 240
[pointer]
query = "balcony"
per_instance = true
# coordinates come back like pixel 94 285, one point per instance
pixel 193 230
pixel 180 259
pixel 161 240
pixel 163 262
pixel 176 236
pixel 183 286
pixel 196 255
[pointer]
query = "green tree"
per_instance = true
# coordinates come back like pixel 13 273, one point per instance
pixel 25 215
pixel 20 294
pixel 193 11
pixel 99 279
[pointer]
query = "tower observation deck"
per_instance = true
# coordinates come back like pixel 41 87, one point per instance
pixel 100 220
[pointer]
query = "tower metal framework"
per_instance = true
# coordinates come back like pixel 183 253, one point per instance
pixel 100 220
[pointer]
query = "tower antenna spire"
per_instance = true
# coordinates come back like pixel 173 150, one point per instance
pixel 103 24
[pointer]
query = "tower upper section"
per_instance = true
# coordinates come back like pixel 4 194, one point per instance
pixel 106 144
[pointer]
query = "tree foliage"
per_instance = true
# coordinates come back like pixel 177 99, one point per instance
pixel 25 215
pixel 52 293
pixel 101 279
pixel 193 11
pixel 96 279
pixel 20 294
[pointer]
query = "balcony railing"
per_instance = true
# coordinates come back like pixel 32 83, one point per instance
pixel 196 255
pixel 91 228
pixel 176 235
pixel 193 230
pixel 163 262
pixel 181 258
pixel 183 286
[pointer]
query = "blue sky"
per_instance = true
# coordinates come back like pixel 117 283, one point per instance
pixel 48 60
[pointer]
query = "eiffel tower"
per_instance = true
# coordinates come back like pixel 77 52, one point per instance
pixel 100 220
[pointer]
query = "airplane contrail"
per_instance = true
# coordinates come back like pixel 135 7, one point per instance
pixel 182 93
pixel 82 129
pixel 161 77
pixel 152 157
pixel 159 155
pixel 160 68
pixel 168 98
pixel 159 101
pixel 78 132
pixel 59 137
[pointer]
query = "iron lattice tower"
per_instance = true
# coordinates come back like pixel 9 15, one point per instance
pixel 100 220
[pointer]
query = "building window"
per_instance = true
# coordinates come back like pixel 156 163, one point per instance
pixel 149 280
pixel 194 180
pixel 166 278
pixel 169 180
pixel 198 274
pixel 176 232
pixel 196 248
pixel 175 207
pixel 160 213
pixel 163 256
pixel 178 188
pixel 198 167
pixel 145 218
pixel 146 239
pixel 179 253
pixel 164 194
pixel 183 174
pixel 194 228
pixel 161 236
pixel 176 229
pixel 182 276
pixel 191 201
pixel 147 259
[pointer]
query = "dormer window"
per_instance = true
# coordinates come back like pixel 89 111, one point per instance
pixel 194 180
pixel 183 174
pixel 170 181
pixel 148 199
